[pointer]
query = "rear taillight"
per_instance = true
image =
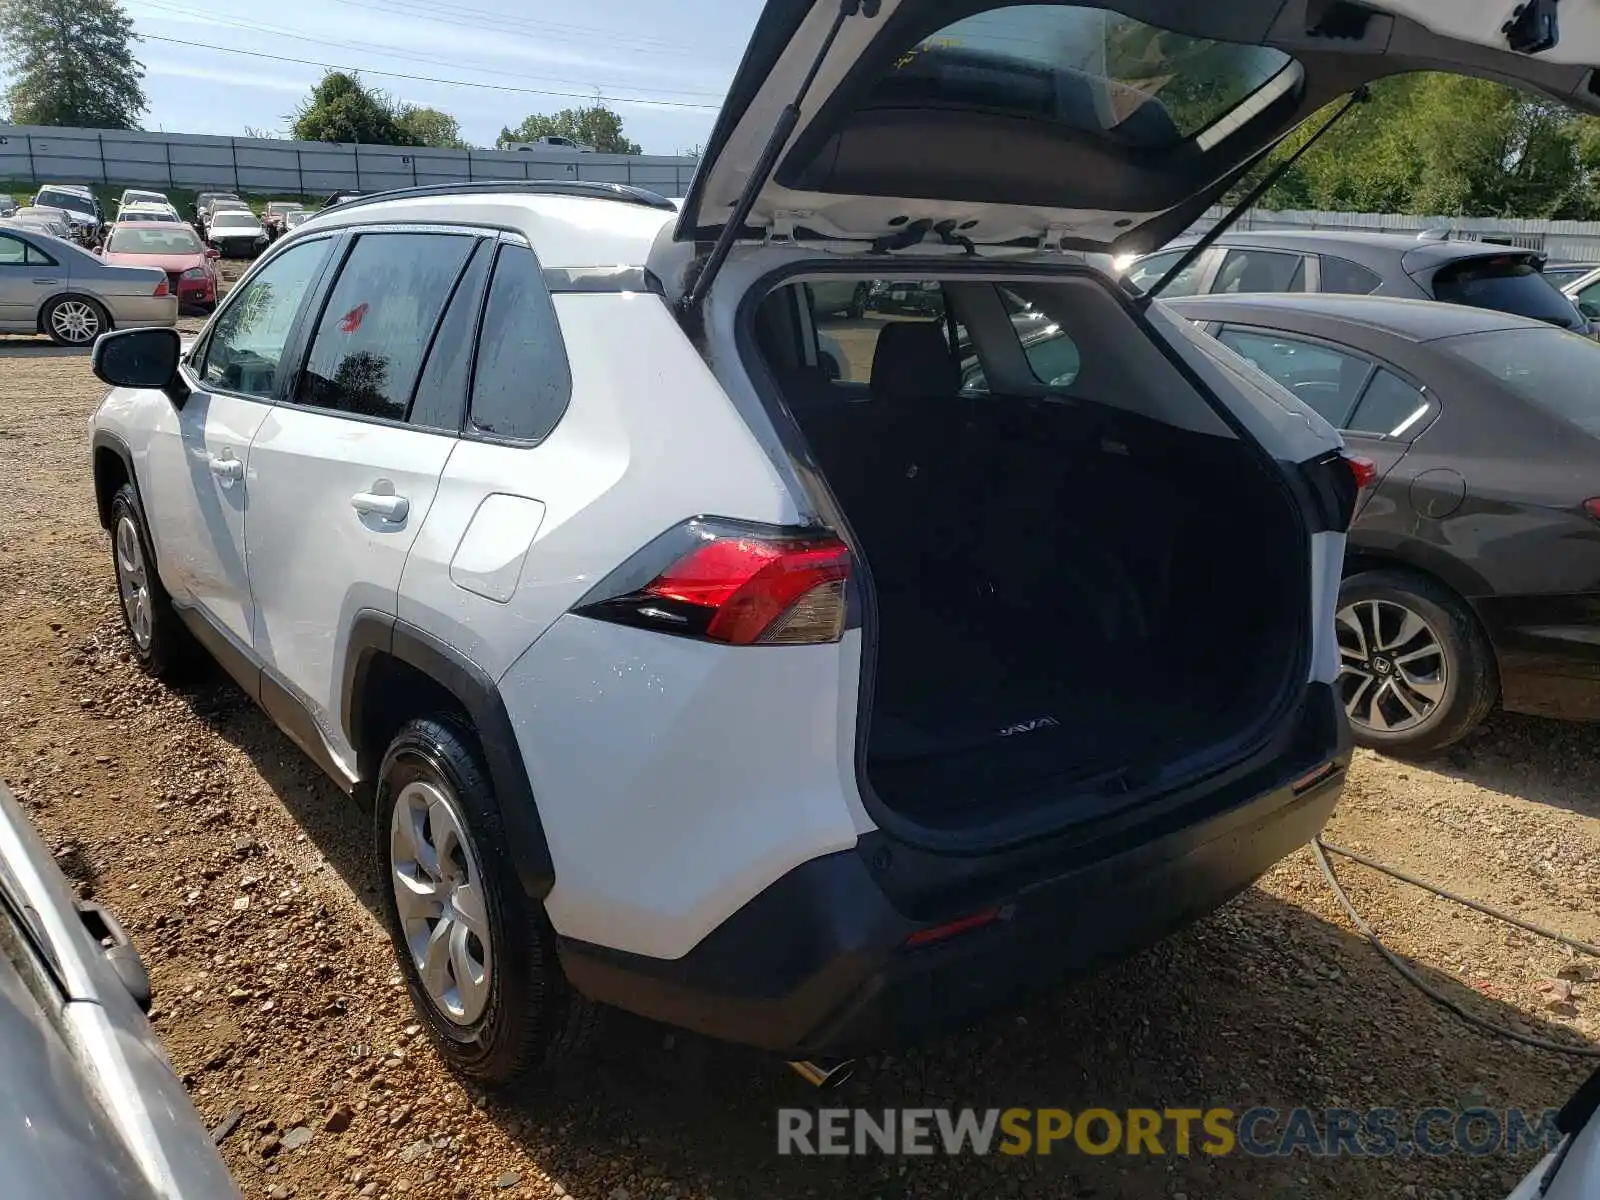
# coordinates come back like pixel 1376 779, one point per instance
pixel 1363 470
pixel 1592 507
pixel 1337 480
pixel 161 288
pixel 743 585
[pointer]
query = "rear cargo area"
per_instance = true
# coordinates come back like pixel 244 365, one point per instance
pixel 1067 596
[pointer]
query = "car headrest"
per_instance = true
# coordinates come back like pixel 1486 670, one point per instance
pixel 912 361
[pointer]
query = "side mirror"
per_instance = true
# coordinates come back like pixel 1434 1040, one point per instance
pixel 141 358
pixel 213 253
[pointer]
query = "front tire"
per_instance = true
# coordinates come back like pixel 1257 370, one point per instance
pixel 478 956
pixel 162 646
pixel 74 320
pixel 1416 671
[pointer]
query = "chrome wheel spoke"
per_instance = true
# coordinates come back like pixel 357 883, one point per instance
pixel 471 976
pixel 417 898
pixel 433 964
pixel 1410 626
pixel 467 901
pixel 1361 690
pixel 1346 619
pixel 1392 669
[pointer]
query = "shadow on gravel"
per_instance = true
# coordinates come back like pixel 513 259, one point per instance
pixel 40 347
pixel 1539 759
pixel 1263 1004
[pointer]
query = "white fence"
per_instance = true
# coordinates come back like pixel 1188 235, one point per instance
pixel 1573 241
pixel 41 154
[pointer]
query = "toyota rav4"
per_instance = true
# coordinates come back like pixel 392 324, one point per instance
pixel 813 676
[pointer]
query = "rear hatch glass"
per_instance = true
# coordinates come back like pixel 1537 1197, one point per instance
pixel 1506 283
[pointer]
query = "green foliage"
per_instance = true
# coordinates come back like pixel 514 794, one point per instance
pixel 343 109
pixel 430 127
pixel 1433 143
pixel 596 126
pixel 71 63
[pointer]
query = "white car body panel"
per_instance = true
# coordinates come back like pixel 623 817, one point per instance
pixel 311 572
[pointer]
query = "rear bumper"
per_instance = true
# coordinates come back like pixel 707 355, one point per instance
pixel 141 312
pixel 818 964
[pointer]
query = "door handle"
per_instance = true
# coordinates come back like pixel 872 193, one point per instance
pixel 44 282
pixel 227 469
pixel 390 508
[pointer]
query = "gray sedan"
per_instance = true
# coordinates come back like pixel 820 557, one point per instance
pixel 89 1104
pixel 51 286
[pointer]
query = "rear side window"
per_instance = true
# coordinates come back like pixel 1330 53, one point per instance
pixel 14 252
pixel 378 320
pixel 1145 273
pixel 1390 407
pixel 1261 271
pixel 1351 279
pixel 1083 67
pixel 1507 283
pixel 1551 368
pixel 522 381
pixel 1325 380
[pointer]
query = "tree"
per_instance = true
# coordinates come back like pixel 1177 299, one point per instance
pixel 430 127
pixel 71 63
pixel 595 126
pixel 343 109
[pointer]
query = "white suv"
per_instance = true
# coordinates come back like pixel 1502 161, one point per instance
pixel 814 675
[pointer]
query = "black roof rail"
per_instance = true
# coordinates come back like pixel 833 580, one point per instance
pixel 624 193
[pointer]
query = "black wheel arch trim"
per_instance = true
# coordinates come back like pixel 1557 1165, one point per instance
pixel 374 635
pixel 100 440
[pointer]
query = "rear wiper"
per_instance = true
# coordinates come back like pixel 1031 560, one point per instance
pixel 1359 96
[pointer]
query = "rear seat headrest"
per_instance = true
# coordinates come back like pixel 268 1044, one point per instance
pixel 912 361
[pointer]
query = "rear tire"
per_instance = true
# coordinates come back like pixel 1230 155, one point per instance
pixel 479 958
pixel 74 320
pixel 162 644
pixel 1413 658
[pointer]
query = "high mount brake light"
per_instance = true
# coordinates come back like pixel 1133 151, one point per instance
pixel 731 584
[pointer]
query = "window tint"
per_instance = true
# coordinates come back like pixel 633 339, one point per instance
pixel 14 252
pixel 1342 275
pixel 377 322
pixel 1390 406
pixel 849 316
pixel 1261 271
pixel 1507 283
pixel 1144 274
pixel 130 239
pixel 442 390
pixel 522 381
pixel 1324 379
pixel 246 343
pixel 1553 369
pixel 1083 67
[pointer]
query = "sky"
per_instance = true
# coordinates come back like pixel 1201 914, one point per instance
pixel 210 65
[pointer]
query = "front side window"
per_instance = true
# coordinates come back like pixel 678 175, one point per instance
pixel 1325 380
pixel 1145 273
pixel 522 381
pixel 1261 271
pixel 246 345
pixel 1085 67
pixel 378 320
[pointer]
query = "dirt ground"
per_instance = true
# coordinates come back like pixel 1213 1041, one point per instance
pixel 245 879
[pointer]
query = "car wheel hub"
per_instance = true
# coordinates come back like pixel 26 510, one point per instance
pixel 1392 666
pixel 133 582
pixel 438 891
pixel 75 321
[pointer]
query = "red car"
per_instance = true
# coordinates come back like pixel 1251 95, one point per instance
pixel 190 266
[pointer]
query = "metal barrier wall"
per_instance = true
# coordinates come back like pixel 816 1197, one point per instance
pixel 40 154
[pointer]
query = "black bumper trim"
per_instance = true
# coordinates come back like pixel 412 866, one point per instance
pixel 816 965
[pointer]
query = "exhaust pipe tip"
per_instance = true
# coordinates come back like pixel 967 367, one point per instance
pixel 829 1073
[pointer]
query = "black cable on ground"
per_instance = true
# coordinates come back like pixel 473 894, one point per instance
pixel 1319 850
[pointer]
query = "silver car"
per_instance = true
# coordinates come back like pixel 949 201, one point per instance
pixel 51 286
pixel 89 1103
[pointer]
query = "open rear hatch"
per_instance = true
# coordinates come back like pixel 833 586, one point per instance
pixel 1076 125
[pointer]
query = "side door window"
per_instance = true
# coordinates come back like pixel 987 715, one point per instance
pixel 1324 379
pixel 244 351
pixel 1261 271
pixel 522 382
pixel 1147 271
pixel 1389 408
pixel 378 320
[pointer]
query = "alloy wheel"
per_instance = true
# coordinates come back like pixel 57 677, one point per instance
pixel 1392 666
pixel 75 321
pixel 133 582
pixel 438 890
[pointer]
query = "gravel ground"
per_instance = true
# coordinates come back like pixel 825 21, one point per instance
pixel 245 880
